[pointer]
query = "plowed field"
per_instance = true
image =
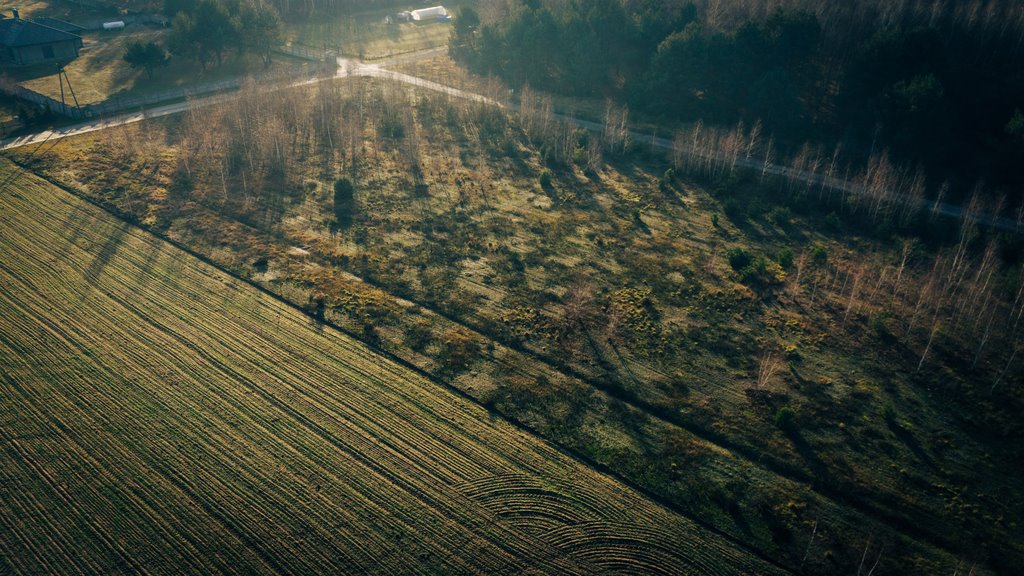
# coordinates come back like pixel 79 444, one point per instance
pixel 158 415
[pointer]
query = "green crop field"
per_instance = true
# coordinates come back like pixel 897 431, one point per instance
pixel 158 415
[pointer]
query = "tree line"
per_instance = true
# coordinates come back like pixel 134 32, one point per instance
pixel 206 30
pixel 933 83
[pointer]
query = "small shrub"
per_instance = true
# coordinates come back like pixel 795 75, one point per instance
pixel 832 221
pixel 545 180
pixel 785 419
pixel 344 201
pixel 418 336
pixel 879 324
pixel 785 258
pixel 181 185
pixel 370 335
pixel 714 220
pixel 819 255
pixel 736 210
pixel 391 125
pixel 549 157
pixel 889 413
pixel 665 181
pixel 885 230
pixel 755 270
pixel 458 350
pixel 739 258
pixel 780 215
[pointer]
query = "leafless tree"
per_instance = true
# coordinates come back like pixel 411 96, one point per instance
pixel 766 368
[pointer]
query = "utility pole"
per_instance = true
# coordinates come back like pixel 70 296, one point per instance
pixel 62 77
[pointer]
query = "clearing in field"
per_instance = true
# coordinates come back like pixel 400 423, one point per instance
pixel 159 415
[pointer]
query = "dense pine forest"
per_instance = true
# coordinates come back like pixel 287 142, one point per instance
pixel 937 85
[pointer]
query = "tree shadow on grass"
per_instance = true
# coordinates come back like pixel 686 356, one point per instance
pixel 106 253
pixel 912 443
pixel 736 513
pixel 819 470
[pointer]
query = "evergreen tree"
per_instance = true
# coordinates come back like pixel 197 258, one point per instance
pixel 344 202
pixel 145 55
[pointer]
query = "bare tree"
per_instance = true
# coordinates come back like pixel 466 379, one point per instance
pixel 931 337
pixel 766 368
pixel 768 156
pixel 905 249
pixel 858 274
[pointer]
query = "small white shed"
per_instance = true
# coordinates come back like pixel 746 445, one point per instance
pixel 432 13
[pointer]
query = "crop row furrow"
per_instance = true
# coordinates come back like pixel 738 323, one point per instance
pixel 117 458
pixel 601 542
pixel 368 448
pixel 499 490
pixel 127 348
pixel 119 395
pixel 171 413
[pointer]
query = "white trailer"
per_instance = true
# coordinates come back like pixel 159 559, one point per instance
pixel 432 13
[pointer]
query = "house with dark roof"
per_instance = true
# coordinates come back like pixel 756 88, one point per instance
pixel 24 43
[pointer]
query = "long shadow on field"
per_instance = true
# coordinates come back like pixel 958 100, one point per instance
pixel 819 470
pixel 911 443
pixel 103 257
pixel 74 225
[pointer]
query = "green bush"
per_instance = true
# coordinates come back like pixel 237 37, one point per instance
pixel 832 221
pixel 739 258
pixel 785 258
pixel 819 255
pixel 785 419
pixel 780 215
pixel 754 270
pixel 889 413
pixel 545 180
pixel 736 210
